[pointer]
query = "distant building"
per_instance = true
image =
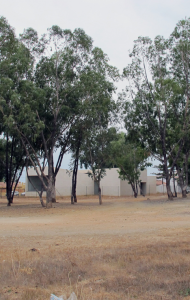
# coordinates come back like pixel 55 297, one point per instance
pixel 111 184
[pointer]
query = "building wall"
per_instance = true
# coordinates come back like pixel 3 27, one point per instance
pixel 110 183
pixel 143 176
pixel 85 184
pixel 126 189
pixel 151 185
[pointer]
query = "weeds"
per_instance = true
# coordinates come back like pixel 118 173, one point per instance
pixel 118 273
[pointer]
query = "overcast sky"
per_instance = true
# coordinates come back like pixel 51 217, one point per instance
pixel 112 24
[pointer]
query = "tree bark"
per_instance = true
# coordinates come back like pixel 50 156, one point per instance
pixel 50 192
pixel 99 193
pixel 184 194
pixel 73 191
pixel 49 196
pixel 8 191
pixel 53 182
pixel 174 185
pixel 8 173
pixel 74 182
pixel 168 177
pixel 169 192
pixel 75 171
pixel 53 192
pixel 182 184
pixel 134 190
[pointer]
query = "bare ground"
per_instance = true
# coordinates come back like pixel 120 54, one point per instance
pixel 125 249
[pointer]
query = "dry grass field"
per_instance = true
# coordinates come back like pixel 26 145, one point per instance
pixel 124 249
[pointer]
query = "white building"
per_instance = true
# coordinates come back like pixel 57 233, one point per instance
pixel 111 184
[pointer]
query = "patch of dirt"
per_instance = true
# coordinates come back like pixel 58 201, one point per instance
pixel 120 223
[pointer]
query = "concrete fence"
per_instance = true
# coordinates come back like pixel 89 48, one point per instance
pixel 163 190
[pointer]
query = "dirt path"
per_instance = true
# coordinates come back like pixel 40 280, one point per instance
pixel 125 249
pixel 27 225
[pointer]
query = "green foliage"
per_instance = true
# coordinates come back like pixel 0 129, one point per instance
pixel 49 86
pixel 15 93
pixel 96 151
pixel 130 158
pixel 158 116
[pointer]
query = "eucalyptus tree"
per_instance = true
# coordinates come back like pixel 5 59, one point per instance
pixel 131 159
pixel 76 141
pixel 15 66
pixel 59 63
pixel 65 74
pixel 156 103
pixel 182 167
pixel 179 43
pixel 98 109
pixel 95 153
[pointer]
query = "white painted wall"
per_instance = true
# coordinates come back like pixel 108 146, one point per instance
pixel 111 184
pixel 151 185
pixel 85 184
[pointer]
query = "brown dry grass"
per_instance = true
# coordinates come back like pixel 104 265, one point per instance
pixel 93 267
pixel 160 271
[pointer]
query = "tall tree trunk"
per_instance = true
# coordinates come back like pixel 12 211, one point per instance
pixel 134 190
pixel 75 171
pixel 74 181
pixel 41 199
pixel 174 184
pixel 99 193
pixel 50 192
pixel 182 184
pixel 8 180
pixel 167 175
pixel 53 191
pixel 137 188
pixel 53 183
pixel 49 195
pixel 169 192
pixel 186 159
pixel 75 184
pixel 72 190
pixel 74 178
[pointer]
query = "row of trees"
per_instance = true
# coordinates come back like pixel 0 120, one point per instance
pixel 57 94
pixel 158 116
